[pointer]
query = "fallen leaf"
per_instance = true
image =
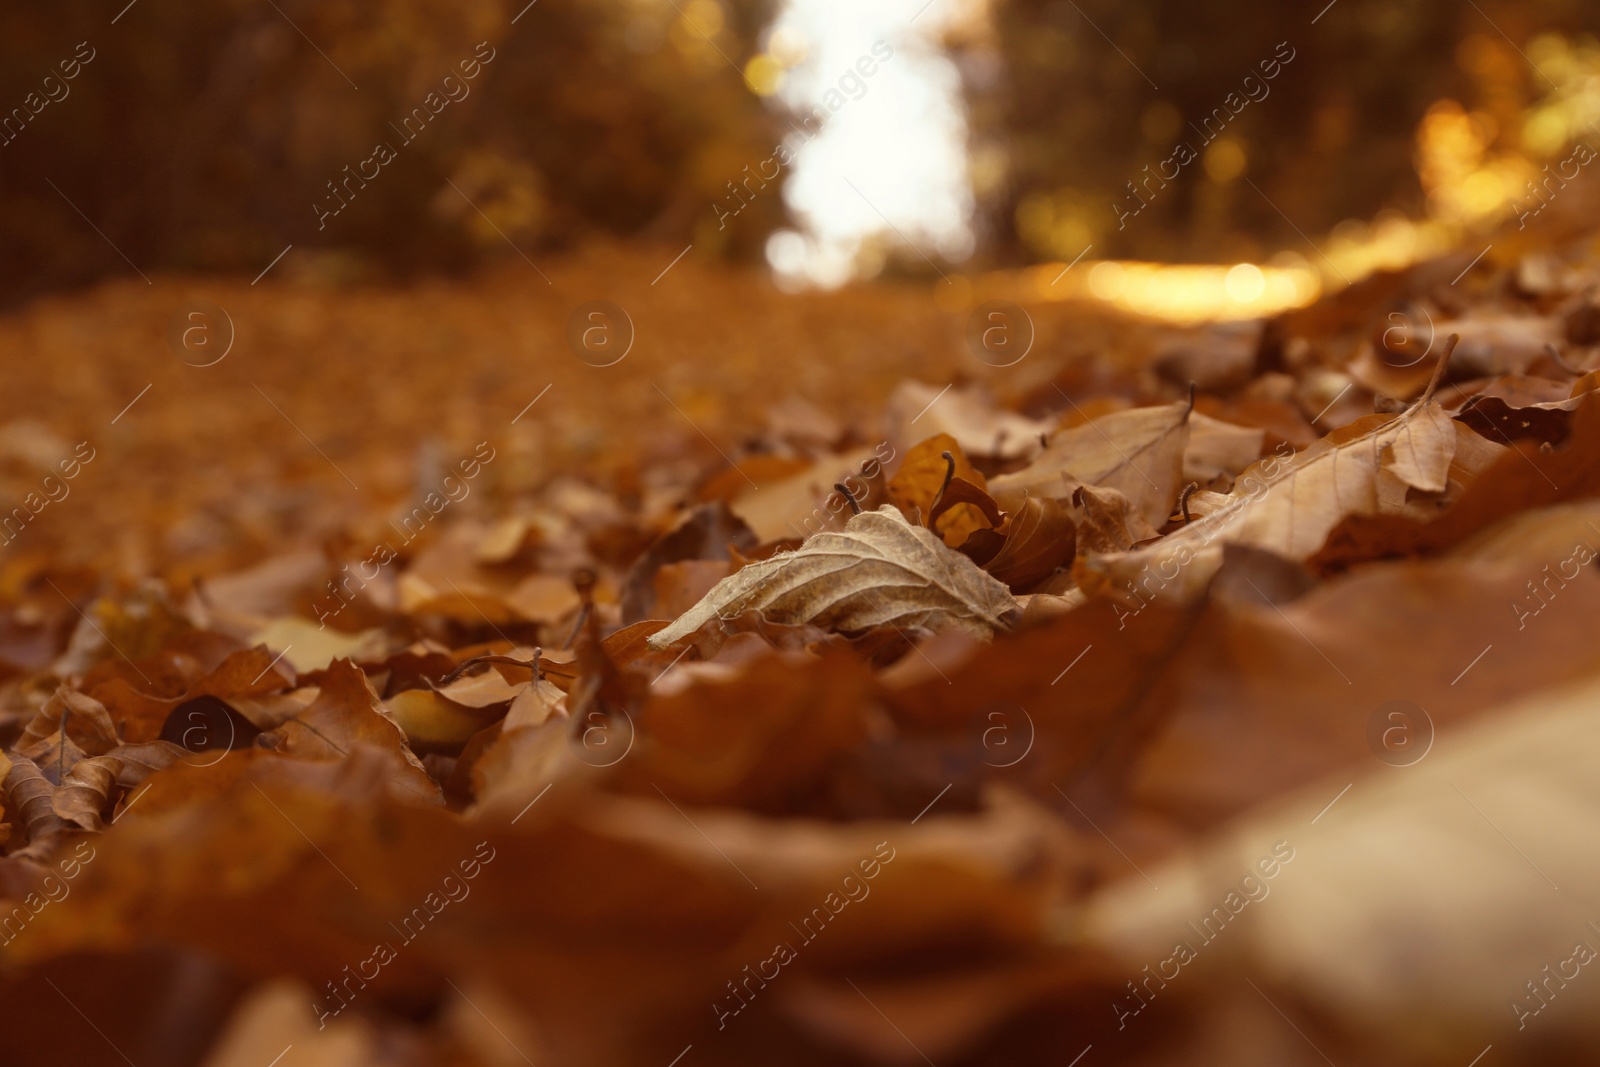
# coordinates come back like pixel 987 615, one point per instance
pixel 922 475
pixel 308 647
pixel 1521 477
pixel 434 723
pixel 30 796
pixel 880 570
pixel 1106 521
pixel 1039 536
pixel 803 503
pixel 705 533
pixel 1510 411
pixel 1289 505
pixel 347 713
pixel 1139 453
pixel 95 783
pixel 968 414
pixel 1219 450
pixel 1475 837
pixel 680 586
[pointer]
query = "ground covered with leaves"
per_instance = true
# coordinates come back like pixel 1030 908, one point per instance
pixel 811 685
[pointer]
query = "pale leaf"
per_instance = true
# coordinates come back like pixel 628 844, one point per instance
pixel 880 570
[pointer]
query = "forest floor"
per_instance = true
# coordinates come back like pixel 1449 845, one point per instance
pixel 327 618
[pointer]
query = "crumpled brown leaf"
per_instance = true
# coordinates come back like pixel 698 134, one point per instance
pixel 1137 452
pixel 1039 536
pixel 880 570
pixel 87 723
pixel 28 794
pixel 919 484
pixel 84 792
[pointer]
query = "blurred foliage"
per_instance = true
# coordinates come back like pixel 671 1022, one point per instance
pixel 205 139
pixel 199 138
pixel 1072 99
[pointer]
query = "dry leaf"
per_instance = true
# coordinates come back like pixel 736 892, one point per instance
pixel 86 720
pixel 706 533
pixel 803 503
pixel 433 723
pixel 1038 537
pixel 347 713
pixel 968 414
pixel 1517 478
pixel 946 495
pixel 29 795
pixel 308 647
pixel 1289 505
pixel 963 509
pixel 1219 450
pixel 1106 521
pixel 880 570
pixel 1139 453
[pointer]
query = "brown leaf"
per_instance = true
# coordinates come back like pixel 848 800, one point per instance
pixel 1106 521
pixel 968 414
pixel 915 486
pixel 29 796
pixel 1139 453
pixel 85 792
pixel 679 586
pixel 1529 766
pixel 805 502
pixel 706 533
pixel 1519 478
pixel 757 739
pixel 962 510
pixel 432 722
pixel 1512 412
pixel 1219 450
pixel 87 723
pixel 1289 505
pixel 55 755
pixel 1039 537
pixel 185 670
pixel 347 713
pixel 880 570
pixel 484 689
pixel 534 704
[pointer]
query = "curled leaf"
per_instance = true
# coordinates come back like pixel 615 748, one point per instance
pixel 880 570
pixel 923 473
pixel 87 723
pixel 1039 537
pixel 29 793
pixel 962 510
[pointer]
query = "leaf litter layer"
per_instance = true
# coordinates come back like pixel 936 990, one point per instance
pixel 423 694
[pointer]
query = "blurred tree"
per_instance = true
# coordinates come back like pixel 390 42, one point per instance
pixel 1078 109
pixel 208 138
